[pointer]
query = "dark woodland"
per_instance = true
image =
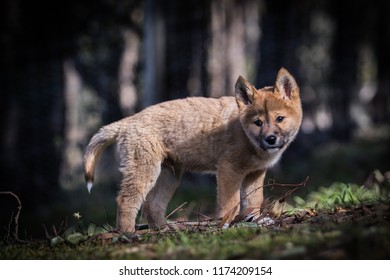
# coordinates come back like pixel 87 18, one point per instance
pixel 69 67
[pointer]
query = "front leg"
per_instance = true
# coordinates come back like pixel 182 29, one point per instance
pixel 252 189
pixel 228 190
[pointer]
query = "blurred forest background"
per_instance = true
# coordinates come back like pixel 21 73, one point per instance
pixel 69 67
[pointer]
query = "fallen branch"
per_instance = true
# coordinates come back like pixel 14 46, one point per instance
pixel 16 219
pixel 271 183
pixel 174 211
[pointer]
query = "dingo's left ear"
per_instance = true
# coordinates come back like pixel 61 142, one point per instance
pixel 285 85
pixel 244 92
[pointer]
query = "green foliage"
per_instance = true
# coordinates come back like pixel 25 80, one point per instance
pixel 79 233
pixel 357 227
pixel 340 194
pixel 320 237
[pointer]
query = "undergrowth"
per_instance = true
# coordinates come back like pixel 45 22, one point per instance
pixel 342 195
pixel 342 221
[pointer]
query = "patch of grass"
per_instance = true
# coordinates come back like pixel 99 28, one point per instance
pixel 339 222
pixel 325 236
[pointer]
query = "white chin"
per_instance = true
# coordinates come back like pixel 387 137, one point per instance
pixel 273 150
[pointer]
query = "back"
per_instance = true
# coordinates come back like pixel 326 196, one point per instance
pixel 192 129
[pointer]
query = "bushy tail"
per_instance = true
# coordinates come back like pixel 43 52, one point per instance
pixel 103 138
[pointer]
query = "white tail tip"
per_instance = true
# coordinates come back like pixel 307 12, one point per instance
pixel 89 186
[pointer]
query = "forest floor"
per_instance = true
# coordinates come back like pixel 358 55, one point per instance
pixel 341 222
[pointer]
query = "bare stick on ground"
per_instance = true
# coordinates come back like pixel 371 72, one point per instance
pixel 16 219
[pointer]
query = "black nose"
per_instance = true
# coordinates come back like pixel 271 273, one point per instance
pixel 270 140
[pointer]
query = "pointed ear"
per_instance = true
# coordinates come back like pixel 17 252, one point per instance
pixel 244 91
pixel 285 84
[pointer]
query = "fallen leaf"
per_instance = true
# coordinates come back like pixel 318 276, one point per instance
pixel 248 214
pixel 228 218
pixel 277 209
pixel 311 212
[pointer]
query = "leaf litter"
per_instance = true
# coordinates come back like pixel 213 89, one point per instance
pixel 274 230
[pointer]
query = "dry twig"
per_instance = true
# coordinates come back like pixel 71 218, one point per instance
pixel 174 211
pixel 229 217
pixel 16 219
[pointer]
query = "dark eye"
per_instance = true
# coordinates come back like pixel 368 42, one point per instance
pixel 258 122
pixel 279 119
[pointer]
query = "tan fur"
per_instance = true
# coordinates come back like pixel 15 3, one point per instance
pixel 222 136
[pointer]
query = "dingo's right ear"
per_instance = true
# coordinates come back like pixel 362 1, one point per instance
pixel 244 92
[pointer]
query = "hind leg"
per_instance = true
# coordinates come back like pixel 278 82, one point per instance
pixel 158 198
pixel 138 180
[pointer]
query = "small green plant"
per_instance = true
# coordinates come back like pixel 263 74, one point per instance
pixel 79 232
pixel 340 194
